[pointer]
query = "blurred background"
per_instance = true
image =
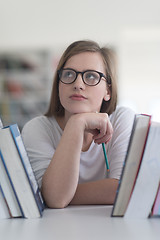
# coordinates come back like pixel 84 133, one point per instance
pixel 34 33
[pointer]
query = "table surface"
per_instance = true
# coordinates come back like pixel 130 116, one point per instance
pixel 80 222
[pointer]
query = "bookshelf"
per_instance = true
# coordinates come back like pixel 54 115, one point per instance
pixel 25 82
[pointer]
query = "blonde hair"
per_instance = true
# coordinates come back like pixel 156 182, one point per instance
pixel 55 107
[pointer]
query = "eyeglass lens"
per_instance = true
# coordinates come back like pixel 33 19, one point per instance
pixel 89 77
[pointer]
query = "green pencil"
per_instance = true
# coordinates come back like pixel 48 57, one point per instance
pixel 105 156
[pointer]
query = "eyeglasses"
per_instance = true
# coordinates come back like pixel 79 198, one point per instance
pixel 89 77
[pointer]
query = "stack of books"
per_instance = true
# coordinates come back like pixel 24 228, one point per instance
pixel 19 192
pixel 138 193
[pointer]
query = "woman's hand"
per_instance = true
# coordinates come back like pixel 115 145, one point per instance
pixel 98 124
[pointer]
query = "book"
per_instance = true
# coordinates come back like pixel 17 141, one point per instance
pixel 156 206
pixel 4 211
pixel 1 125
pixel 8 191
pixel 18 167
pixel 148 178
pixel 132 163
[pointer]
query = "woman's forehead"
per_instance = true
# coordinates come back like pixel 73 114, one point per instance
pixel 86 60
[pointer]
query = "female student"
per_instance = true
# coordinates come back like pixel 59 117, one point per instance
pixel 65 145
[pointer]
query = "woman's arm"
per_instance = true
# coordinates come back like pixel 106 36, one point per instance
pixel 98 192
pixel 60 181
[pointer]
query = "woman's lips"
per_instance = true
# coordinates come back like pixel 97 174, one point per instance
pixel 77 97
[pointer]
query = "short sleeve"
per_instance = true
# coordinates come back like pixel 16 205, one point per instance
pixel 40 141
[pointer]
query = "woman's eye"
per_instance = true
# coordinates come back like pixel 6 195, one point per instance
pixel 68 74
pixel 90 76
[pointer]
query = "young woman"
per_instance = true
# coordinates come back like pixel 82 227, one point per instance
pixel 65 145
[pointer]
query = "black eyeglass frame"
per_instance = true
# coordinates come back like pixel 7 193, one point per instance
pixel 108 79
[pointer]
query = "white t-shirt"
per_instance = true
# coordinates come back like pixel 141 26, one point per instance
pixel 41 136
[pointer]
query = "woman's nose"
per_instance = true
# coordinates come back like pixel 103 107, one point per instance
pixel 78 83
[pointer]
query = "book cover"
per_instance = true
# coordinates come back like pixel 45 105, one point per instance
pixel 147 181
pixel 132 162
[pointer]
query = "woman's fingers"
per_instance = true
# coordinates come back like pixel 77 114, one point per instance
pixel 101 129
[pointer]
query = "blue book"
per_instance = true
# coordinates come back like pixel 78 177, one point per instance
pixel 19 169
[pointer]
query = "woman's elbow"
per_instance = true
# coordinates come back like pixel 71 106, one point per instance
pixel 58 204
pixel 53 201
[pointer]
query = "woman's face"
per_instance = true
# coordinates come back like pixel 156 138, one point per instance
pixel 78 97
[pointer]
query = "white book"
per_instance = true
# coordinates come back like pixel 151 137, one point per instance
pixel 4 213
pixel 15 160
pixel 8 191
pixel 1 125
pixel 132 162
pixel 147 182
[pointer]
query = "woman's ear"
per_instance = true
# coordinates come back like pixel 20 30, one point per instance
pixel 107 97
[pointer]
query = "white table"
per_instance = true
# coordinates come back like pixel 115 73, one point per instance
pixel 79 222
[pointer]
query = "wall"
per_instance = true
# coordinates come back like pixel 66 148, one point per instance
pixel 131 27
